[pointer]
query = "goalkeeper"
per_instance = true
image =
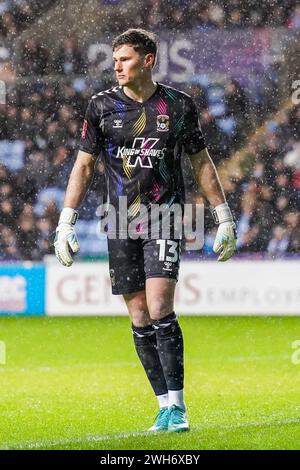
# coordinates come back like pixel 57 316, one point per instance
pixel 142 128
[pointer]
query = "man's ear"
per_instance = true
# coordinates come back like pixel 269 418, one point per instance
pixel 150 59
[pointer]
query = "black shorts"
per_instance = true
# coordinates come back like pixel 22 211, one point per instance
pixel 131 262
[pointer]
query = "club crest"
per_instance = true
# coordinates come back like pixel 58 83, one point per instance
pixel 163 123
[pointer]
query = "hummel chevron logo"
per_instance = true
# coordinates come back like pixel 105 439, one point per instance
pixel 118 124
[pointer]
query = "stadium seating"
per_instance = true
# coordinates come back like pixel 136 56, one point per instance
pixel 41 121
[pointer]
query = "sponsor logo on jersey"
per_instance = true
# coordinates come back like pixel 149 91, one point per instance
pixel 118 124
pixel 163 123
pixel 141 151
pixel 84 129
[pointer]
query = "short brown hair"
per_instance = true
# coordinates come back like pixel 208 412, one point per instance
pixel 141 40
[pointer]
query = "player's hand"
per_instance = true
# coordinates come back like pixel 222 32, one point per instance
pixel 66 243
pixel 225 242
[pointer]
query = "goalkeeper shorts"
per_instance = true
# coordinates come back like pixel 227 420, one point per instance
pixel 131 262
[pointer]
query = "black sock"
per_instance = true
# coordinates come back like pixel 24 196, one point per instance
pixel 145 345
pixel 170 349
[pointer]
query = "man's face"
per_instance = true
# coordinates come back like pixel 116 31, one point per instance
pixel 130 66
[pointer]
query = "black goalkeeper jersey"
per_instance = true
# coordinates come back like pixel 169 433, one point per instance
pixel 142 144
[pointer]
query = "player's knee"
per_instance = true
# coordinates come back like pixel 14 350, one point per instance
pixel 159 308
pixel 139 314
pixel 137 309
pixel 140 319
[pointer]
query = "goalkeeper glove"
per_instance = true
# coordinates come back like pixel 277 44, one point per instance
pixel 225 242
pixel 66 243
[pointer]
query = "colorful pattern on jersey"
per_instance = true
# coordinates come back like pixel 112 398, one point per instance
pixel 171 201
pixel 120 186
pixel 127 169
pixel 121 109
pixel 155 192
pixel 140 124
pixel 110 148
pixel 178 124
pixel 163 170
pixel 161 106
pixel 141 154
pixel 134 208
pixel 171 94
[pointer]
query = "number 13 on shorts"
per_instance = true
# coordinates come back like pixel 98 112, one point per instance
pixel 168 250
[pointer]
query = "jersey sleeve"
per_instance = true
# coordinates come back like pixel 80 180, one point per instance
pixel 192 137
pixel 92 138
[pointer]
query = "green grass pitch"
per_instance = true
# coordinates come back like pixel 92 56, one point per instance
pixel 76 383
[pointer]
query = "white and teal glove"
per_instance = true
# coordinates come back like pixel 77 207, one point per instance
pixel 225 242
pixel 66 243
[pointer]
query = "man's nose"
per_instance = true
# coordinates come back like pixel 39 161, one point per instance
pixel 118 66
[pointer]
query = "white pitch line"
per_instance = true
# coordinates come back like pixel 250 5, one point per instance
pixel 120 436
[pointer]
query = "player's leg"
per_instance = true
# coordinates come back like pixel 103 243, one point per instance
pixel 145 344
pixel 160 289
pixel 128 278
pixel 160 301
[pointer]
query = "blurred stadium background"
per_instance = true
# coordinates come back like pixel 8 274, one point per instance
pixel 240 61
